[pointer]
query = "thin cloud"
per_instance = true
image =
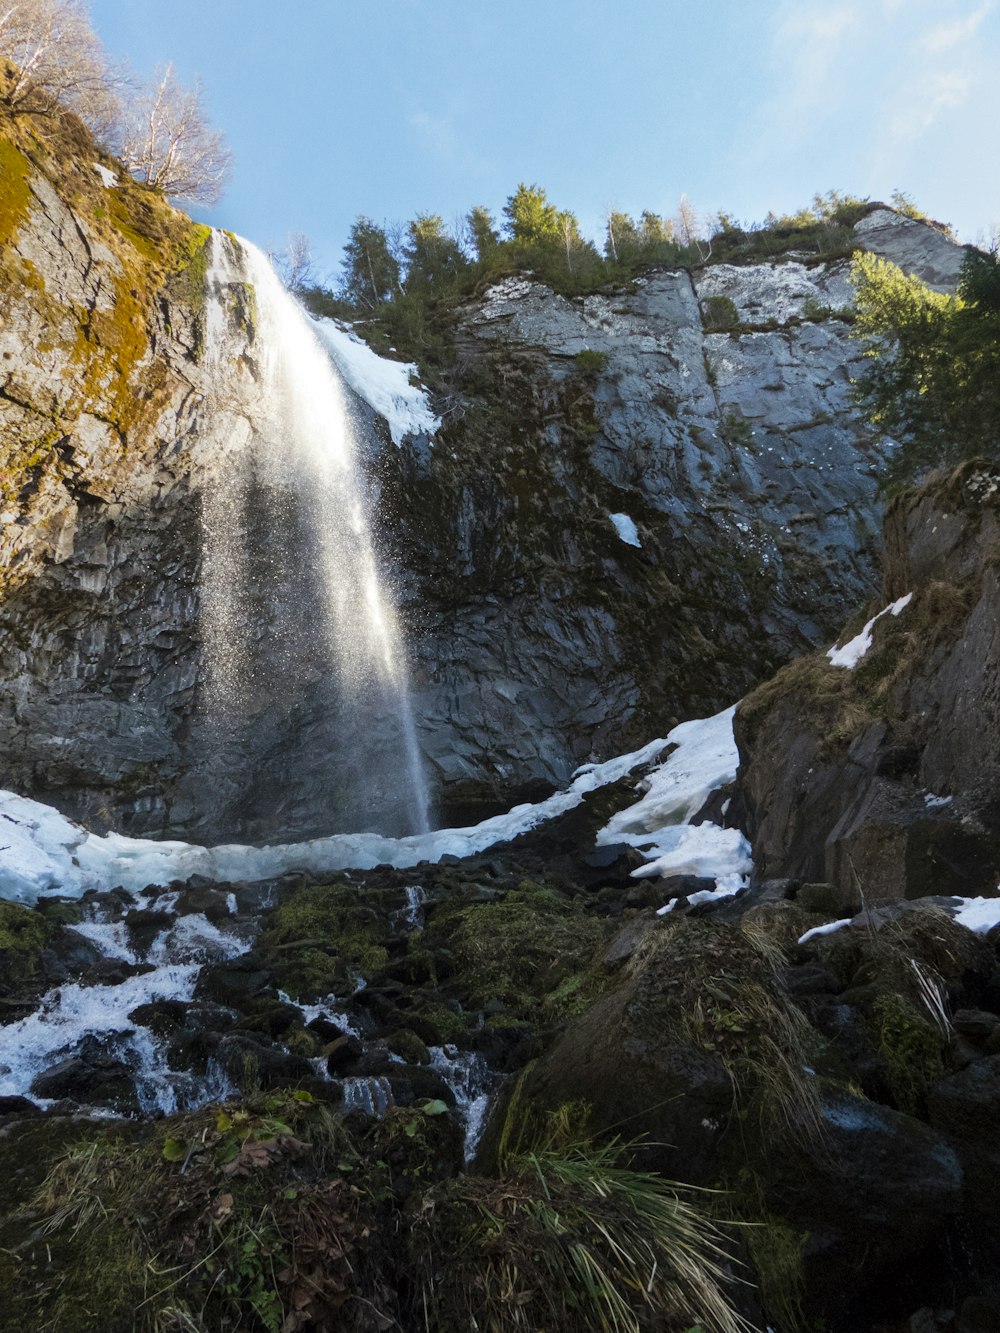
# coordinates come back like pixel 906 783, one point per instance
pixel 946 36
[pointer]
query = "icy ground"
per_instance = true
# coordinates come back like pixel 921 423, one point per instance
pixel 385 385
pixel 43 852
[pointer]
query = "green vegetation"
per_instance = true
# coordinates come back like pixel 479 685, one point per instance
pixel 570 1239
pixel 719 313
pixel 932 375
pixel 401 281
pixel 321 939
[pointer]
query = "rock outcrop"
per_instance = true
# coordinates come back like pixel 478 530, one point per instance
pixel 883 779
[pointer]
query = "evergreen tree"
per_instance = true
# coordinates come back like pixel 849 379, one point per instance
pixel 656 230
pixel 622 238
pixel 485 237
pixel 531 219
pixel 433 257
pixel 932 375
pixel 371 270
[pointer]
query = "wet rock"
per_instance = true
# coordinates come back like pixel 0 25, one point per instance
pixel 235 981
pixel 114 971
pixel 91 1079
pixel 975 1024
pixel 965 1107
pixel 18 1106
pixel 874 1186
pixel 811 979
pixel 343 1055
pixel 249 1061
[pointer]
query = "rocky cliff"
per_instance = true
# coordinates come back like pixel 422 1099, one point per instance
pixel 710 410
pixel 882 778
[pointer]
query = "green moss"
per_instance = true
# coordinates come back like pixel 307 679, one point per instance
pixel 321 938
pixel 23 935
pixel 776 1252
pixel 528 951
pixel 15 192
pixel 913 1049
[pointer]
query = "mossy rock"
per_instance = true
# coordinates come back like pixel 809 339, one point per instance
pixel 24 933
pixel 322 939
pixel 532 951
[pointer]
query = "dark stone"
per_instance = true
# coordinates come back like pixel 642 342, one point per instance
pixel 234 981
pixel 965 1107
pixel 91 1079
pixel 19 1106
pixel 324 1028
pixel 161 1016
pixel 113 971
pixel 811 979
pixel 975 1024
pixel 247 1061
pixel 343 1055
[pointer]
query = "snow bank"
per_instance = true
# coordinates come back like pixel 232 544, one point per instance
pixel 385 385
pixel 41 851
pixel 979 914
pixel 659 824
pixel 626 529
pixel 854 650
pixel 828 929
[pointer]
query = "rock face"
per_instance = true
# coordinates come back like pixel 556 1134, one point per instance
pixel 883 779
pixel 540 637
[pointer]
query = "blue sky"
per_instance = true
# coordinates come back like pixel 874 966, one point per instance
pixel 335 107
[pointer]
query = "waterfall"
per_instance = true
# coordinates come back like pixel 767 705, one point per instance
pixel 304 659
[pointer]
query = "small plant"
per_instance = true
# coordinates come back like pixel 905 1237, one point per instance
pixel 590 362
pixel 719 313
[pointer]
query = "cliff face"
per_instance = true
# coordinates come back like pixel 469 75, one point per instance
pixel 883 779
pixel 543 638
pixel 108 425
pixel 540 637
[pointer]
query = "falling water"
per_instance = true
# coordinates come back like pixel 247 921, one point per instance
pixel 293 602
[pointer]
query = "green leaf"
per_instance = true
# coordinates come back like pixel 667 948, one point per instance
pixel 174 1150
pixel 223 1122
pixel 410 1129
pixel 301 1095
pixel 435 1107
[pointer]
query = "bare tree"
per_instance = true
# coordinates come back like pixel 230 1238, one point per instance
pixel 58 60
pixel 691 228
pixel 168 143
pixel 296 263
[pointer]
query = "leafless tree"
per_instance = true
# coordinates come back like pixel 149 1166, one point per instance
pixel 58 60
pixel 168 143
pixel 691 228
pixel 296 263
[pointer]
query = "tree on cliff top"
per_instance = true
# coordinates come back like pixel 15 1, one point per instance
pixel 371 269
pixel 58 60
pixel 167 142
pixel 932 375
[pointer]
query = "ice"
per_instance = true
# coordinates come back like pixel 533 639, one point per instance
pixel 44 852
pixel 385 385
pixel 659 824
pixel 626 529
pixel 854 650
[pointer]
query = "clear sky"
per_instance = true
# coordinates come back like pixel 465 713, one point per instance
pixel 394 107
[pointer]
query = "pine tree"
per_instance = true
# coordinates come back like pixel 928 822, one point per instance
pixel 531 219
pixel 432 256
pixel 371 270
pixel 485 237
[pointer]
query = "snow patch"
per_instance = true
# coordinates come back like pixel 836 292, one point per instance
pixel 108 177
pixel 385 385
pixel 659 824
pixel 854 650
pixel 626 529
pixel 979 914
pixel 828 929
